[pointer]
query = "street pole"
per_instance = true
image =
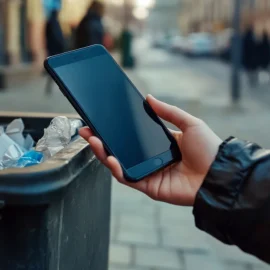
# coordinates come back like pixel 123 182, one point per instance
pixel 236 54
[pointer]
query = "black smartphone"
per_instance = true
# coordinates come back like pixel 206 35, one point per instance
pixel 115 110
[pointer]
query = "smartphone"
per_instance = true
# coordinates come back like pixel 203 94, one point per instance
pixel 115 110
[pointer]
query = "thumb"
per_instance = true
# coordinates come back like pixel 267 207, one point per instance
pixel 172 114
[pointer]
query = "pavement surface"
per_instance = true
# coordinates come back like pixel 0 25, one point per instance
pixel 147 235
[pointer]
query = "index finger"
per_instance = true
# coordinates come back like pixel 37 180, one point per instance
pixel 86 133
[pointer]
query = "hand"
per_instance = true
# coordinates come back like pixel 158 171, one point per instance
pixel 179 183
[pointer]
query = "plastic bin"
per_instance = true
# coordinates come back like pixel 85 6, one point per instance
pixel 55 216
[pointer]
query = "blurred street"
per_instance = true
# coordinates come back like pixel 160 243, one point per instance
pixel 147 235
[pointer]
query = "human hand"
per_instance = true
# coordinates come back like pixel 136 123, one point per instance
pixel 179 183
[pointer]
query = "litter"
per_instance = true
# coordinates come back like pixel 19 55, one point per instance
pixel 17 150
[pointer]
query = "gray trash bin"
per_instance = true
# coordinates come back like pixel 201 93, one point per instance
pixel 55 216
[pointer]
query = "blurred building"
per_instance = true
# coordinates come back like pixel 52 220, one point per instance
pixel 21 38
pixel 22 29
pixel 215 15
pixel 164 16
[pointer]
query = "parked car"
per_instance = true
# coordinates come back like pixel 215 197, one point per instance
pixel 161 41
pixel 200 44
pixel 224 44
pixel 177 44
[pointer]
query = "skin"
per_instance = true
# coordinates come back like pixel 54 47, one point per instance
pixel 179 183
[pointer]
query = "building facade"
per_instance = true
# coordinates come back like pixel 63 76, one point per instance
pixel 22 26
pixel 164 15
pixel 214 15
pixel 22 32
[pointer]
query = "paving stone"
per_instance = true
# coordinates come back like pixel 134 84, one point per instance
pixel 262 267
pixel 125 192
pixel 117 267
pixel 120 254
pixel 159 258
pixel 128 201
pixel 138 236
pixel 134 221
pixel 186 238
pixel 175 215
pixel 196 262
pixel 233 254
pixel 237 266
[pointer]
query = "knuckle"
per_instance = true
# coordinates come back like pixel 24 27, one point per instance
pixel 200 122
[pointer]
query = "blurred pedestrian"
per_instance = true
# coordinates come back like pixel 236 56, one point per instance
pixel 250 55
pixel 54 35
pixel 55 40
pixel 264 52
pixel 90 30
pixel 108 41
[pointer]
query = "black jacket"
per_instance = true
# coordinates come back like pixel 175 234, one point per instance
pixel 264 52
pixel 250 51
pixel 90 31
pixel 233 203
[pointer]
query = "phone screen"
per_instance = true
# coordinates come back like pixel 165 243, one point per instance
pixel 115 108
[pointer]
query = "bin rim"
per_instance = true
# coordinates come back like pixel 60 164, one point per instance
pixel 42 183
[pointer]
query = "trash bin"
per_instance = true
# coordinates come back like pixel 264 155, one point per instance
pixel 55 216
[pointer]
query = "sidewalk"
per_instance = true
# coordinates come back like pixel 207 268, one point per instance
pixel 148 235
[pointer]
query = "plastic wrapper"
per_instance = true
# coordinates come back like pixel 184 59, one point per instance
pixel 75 124
pixel 30 158
pixel 56 137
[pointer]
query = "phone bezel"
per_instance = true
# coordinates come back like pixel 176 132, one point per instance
pixel 141 170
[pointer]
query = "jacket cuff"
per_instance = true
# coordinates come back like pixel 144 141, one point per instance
pixel 217 196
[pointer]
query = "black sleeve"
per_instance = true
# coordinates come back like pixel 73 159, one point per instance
pixel 233 203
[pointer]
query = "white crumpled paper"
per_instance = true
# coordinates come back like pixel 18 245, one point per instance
pixel 13 144
pixel 15 131
pixel 5 143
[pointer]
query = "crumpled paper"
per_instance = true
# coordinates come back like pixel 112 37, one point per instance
pixel 11 156
pixel 15 132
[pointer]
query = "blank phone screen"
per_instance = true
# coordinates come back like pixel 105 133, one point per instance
pixel 116 109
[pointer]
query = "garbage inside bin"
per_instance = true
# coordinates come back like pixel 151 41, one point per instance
pixel 30 158
pixel 47 210
pixel 58 135
pixel 17 149
pixel 15 132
